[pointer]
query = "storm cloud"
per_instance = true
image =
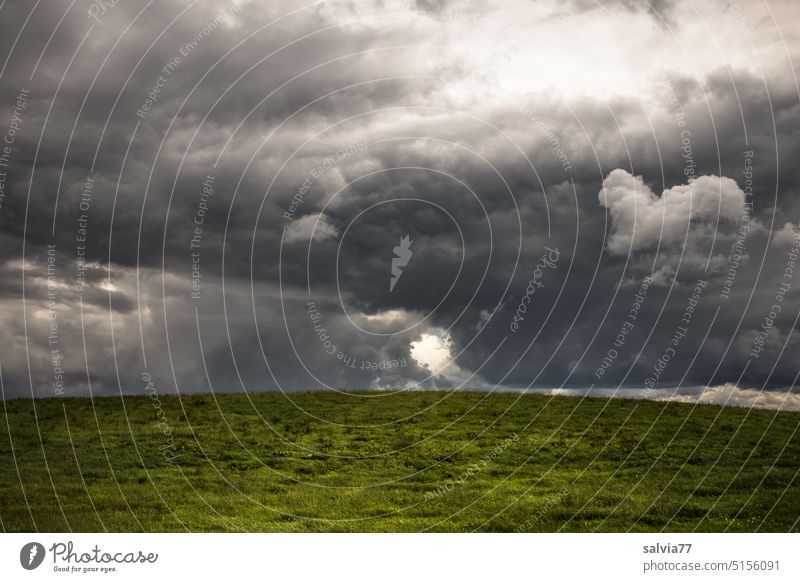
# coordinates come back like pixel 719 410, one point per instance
pixel 599 197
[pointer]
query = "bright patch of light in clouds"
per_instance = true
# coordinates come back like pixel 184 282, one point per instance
pixel 555 48
pixel 432 350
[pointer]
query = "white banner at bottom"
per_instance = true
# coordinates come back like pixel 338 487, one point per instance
pixel 400 557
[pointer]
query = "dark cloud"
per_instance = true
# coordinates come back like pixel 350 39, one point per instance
pixel 660 10
pixel 208 175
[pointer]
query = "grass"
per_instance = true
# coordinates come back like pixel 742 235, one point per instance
pixel 403 462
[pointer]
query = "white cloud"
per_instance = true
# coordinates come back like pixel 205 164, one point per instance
pixel 316 225
pixel 732 395
pixel 640 219
pixel 724 395
pixel 786 235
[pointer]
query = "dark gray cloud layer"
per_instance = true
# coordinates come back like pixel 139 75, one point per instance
pixel 297 145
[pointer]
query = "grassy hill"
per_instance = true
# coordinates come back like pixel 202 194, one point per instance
pixel 403 462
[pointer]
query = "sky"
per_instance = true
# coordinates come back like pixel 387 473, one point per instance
pixel 574 197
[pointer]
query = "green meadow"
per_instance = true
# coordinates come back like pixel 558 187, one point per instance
pixel 376 462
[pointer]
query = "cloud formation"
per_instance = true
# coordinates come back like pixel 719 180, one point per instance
pixel 642 220
pixel 213 134
pixel 308 227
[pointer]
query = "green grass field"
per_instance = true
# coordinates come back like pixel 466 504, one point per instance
pixel 405 462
